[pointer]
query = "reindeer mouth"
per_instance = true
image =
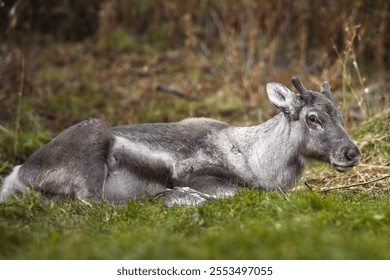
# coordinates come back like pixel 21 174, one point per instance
pixel 342 168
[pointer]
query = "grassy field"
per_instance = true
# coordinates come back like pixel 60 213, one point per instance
pixel 301 225
pixel 312 222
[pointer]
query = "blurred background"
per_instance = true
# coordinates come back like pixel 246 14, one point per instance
pixel 63 61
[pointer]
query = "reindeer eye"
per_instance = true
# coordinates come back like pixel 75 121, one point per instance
pixel 313 122
pixel 312 118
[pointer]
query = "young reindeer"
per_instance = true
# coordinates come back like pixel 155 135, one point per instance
pixel 193 160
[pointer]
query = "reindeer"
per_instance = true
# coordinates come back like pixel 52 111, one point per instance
pixel 193 160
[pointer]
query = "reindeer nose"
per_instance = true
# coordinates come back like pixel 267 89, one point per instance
pixel 352 154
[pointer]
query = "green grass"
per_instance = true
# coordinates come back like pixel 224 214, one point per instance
pixel 300 225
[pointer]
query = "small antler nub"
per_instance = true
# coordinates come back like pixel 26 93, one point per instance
pixel 298 85
pixel 325 89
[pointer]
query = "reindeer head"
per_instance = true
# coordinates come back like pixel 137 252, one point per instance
pixel 317 122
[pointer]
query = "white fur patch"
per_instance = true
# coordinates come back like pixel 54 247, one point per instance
pixel 184 196
pixel 122 185
pixel 138 149
pixel 12 185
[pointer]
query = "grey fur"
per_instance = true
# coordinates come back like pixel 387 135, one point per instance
pixel 193 160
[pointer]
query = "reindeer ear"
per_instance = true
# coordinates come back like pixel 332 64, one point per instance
pixel 285 100
pixel 325 89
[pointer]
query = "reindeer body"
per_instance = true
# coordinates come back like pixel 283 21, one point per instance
pixel 190 161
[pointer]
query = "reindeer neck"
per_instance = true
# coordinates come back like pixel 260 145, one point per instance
pixel 272 152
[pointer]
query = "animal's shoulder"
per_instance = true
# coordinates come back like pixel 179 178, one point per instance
pixel 204 122
pixel 196 126
pixel 185 136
